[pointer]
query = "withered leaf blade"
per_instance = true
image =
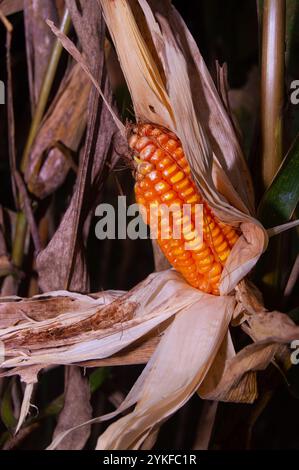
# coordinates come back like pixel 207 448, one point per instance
pixel 208 105
pixel 97 327
pixel 86 20
pixel 232 377
pixel 70 270
pixel 65 122
pixel 76 409
pixel 39 42
pixel 188 348
pixel 10 7
pixel 14 310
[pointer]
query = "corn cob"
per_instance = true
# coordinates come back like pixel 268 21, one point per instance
pixel 163 176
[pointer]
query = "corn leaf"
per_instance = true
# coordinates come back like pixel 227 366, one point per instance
pixel 7 415
pixel 294 314
pixel 281 198
pixel 97 378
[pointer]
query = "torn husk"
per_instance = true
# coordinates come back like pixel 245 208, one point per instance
pixel 190 329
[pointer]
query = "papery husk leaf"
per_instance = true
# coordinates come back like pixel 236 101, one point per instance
pixel 188 348
pixel 243 256
pixel 271 326
pixel 208 106
pixel 148 92
pixel 193 97
pixel 137 353
pixel 25 406
pixel 16 310
pixel 195 345
pixel 29 376
pixel 101 329
pixel 232 376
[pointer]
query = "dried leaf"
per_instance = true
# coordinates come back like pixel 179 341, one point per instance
pixel 271 326
pixel 65 122
pixel 88 26
pixel 14 310
pixel 232 377
pixel 147 89
pixel 10 7
pixel 194 344
pixel 70 271
pixel 39 42
pixel 25 406
pixel 100 327
pixel 29 376
pixel 80 59
pixel 188 349
pixel 76 409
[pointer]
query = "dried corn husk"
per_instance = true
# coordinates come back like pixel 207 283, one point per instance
pixel 184 331
pixel 95 328
pixel 163 94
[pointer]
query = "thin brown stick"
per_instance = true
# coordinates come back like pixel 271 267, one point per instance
pixel 293 278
